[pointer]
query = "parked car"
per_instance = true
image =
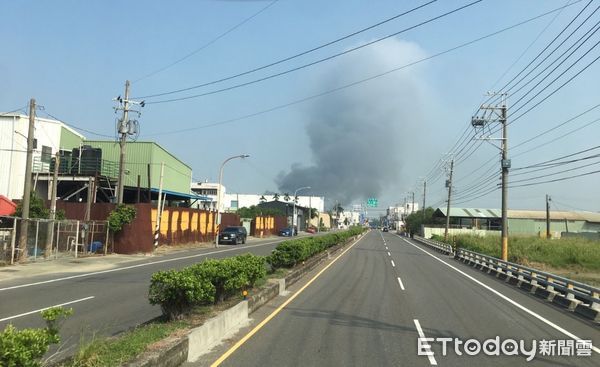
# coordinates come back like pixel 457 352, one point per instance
pixel 311 229
pixel 287 232
pixel 385 229
pixel 234 235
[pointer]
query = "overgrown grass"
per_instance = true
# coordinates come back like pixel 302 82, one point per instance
pixel 109 352
pixel 557 253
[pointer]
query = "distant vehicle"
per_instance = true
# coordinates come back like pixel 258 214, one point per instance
pixel 234 235
pixel 311 230
pixel 385 229
pixel 287 232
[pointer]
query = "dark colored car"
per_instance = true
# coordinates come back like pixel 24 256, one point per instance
pixel 287 232
pixel 385 229
pixel 234 235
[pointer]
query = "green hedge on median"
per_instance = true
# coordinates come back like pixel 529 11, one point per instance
pixel 212 281
pixel 289 253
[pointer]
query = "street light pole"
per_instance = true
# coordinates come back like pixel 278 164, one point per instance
pixel 218 220
pixel 294 207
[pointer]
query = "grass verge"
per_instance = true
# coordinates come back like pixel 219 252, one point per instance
pixel 574 258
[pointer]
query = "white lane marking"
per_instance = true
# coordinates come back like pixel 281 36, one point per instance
pixel 393 263
pixel 389 254
pixel 135 266
pixel 514 303
pixel 400 282
pixel 45 308
pixel 424 344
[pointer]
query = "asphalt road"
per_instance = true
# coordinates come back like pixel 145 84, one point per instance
pixel 370 306
pixel 106 302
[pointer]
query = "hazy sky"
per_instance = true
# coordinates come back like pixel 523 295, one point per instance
pixel 373 139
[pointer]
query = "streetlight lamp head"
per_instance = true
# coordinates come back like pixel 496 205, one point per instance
pixel 245 155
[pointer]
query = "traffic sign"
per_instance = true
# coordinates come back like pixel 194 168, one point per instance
pixel 372 202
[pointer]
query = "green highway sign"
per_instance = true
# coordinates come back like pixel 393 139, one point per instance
pixel 372 203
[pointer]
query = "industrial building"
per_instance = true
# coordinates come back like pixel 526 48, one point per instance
pixel 520 222
pixel 87 169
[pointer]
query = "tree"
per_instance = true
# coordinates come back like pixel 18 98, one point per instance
pixel 286 197
pixel 262 199
pixel 346 221
pixel 254 211
pixel 413 222
pixel 276 197
pixel 37 209
pixel 313 213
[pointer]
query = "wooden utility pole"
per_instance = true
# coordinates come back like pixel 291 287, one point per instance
pixel 449 185
pixel 90 198
pixel 548 235
pixel 27 187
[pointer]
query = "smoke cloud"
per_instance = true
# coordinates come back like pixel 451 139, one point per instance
pixel 360 137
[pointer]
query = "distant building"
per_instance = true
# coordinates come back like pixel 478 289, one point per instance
pixel 520 222
pixel 49 137
pixel 233 201
pixel 87 161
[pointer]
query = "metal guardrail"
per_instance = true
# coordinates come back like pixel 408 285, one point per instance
pixel 440 246
pixel 567 288
pixel 575 296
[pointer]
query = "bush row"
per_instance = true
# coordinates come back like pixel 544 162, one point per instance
pixel 289 253
pixel 212 281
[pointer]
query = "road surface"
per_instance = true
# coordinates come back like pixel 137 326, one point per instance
pixel 370 307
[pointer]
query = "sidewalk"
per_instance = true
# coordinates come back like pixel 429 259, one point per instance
pixel 83 264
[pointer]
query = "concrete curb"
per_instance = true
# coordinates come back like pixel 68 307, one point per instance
pixel 200 339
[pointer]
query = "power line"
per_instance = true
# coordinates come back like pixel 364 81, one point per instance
pixel 246 20
pixel 556 173
pixel 541 53
pixel 540 164
pixel 352 84
pixel 78 128
pixel 556 180
pixel 557 66
pixel 304 66
pixel 290 57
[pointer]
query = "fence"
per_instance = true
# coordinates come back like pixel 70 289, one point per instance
pixel 51 239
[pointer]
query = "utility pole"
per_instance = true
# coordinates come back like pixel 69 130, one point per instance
pixel 548 235
pixel 505 167
pixel 123 130
pixel 449 185
pixel 480 123
pixel 412 210
pixel 424 194
pixel 52 205
pixel 27 185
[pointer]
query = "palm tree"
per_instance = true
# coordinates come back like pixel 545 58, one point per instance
pixel 286 197
pixel 276 197
pixel 262 199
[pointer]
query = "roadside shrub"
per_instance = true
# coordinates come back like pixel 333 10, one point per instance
pixel 25 348
pixel 120 216
pixel 289 253
pixel 212 281
pixel 177 291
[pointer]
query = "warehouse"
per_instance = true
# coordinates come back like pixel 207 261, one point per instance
pixel 520 222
